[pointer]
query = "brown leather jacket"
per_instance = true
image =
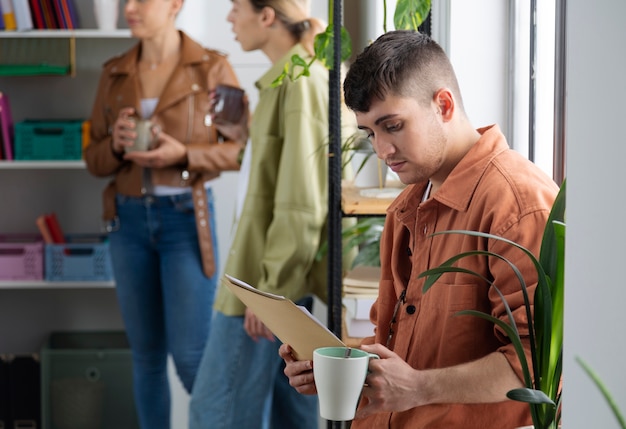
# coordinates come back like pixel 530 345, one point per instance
pixel 181 112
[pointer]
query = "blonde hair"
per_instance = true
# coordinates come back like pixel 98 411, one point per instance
pixel 295 16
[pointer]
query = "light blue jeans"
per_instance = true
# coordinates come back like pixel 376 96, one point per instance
pixel 165 299
pixel 241 384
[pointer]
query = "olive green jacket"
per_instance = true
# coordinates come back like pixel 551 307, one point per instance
pixel 284 215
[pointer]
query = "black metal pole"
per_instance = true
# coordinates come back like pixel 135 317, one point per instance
pixel 334 178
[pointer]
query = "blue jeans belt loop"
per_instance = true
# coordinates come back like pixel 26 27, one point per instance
pixel 113 224
pixel 203 225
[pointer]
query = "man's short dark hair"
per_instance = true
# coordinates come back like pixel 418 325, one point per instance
pixel 403 63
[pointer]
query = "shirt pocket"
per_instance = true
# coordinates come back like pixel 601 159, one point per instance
pixel 455 338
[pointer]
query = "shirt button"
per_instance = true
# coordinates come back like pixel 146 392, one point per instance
pixel 195 87
pixel 185 175
pixel 203 223
pixel 410 309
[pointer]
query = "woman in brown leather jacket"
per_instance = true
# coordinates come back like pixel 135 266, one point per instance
pixel 159 203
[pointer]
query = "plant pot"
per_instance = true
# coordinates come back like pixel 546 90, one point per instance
pixel 369 170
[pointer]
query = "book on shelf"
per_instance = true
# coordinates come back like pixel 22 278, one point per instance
pixel 6 127
pixel 49 16
pixel 1 18
pixel 65 10
pixel 43 229
pixel 58 13
pixel 37 14
pixel 23 18
pixel 8 15
pixel 73 13
pixel 56 232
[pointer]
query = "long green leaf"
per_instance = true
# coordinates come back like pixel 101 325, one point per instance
pixel 604 390
pixel 530 396
pixel 410 14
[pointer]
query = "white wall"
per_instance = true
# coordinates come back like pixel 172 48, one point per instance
pixel 478 51
pixel 595 294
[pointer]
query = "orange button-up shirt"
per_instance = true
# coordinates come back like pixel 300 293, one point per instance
pixel 495 190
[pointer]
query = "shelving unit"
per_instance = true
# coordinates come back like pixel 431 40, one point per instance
pixel 21 285
pixel 41 52
pixel 42 165
pixel 30 310
pixel 66 34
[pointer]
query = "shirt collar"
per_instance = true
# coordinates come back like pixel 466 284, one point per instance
pixel 458 188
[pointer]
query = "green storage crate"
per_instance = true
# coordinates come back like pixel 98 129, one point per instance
pixel 48 140
pixel 86 381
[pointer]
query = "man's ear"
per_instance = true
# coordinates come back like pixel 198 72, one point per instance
pixel 445 103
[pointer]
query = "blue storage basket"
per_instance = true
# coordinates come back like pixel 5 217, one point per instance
pixel 82 258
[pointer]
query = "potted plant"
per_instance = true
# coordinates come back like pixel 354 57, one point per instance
pixel 542 389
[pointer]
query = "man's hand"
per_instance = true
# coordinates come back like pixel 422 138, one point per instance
pixel 391 385
pixel 255 328
pixel 300 373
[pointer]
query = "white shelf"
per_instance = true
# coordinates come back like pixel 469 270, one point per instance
pixel 66 34
pixel 34 284
pixel 42 165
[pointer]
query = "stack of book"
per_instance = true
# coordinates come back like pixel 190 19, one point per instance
pixel 360 290
pixel 24 15
pixel 50 229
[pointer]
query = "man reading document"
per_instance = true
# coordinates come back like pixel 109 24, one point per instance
pixel 438 370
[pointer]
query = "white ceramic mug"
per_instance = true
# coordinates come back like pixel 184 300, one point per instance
pixel 339 380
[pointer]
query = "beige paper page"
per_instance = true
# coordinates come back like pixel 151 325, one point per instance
pixel 291 324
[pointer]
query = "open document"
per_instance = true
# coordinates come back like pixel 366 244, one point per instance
pixel 292 324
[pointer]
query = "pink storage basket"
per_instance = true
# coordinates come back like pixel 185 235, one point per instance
pixel 21 257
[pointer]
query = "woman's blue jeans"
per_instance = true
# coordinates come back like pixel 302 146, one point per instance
pixel 165 299
pixel 241 384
